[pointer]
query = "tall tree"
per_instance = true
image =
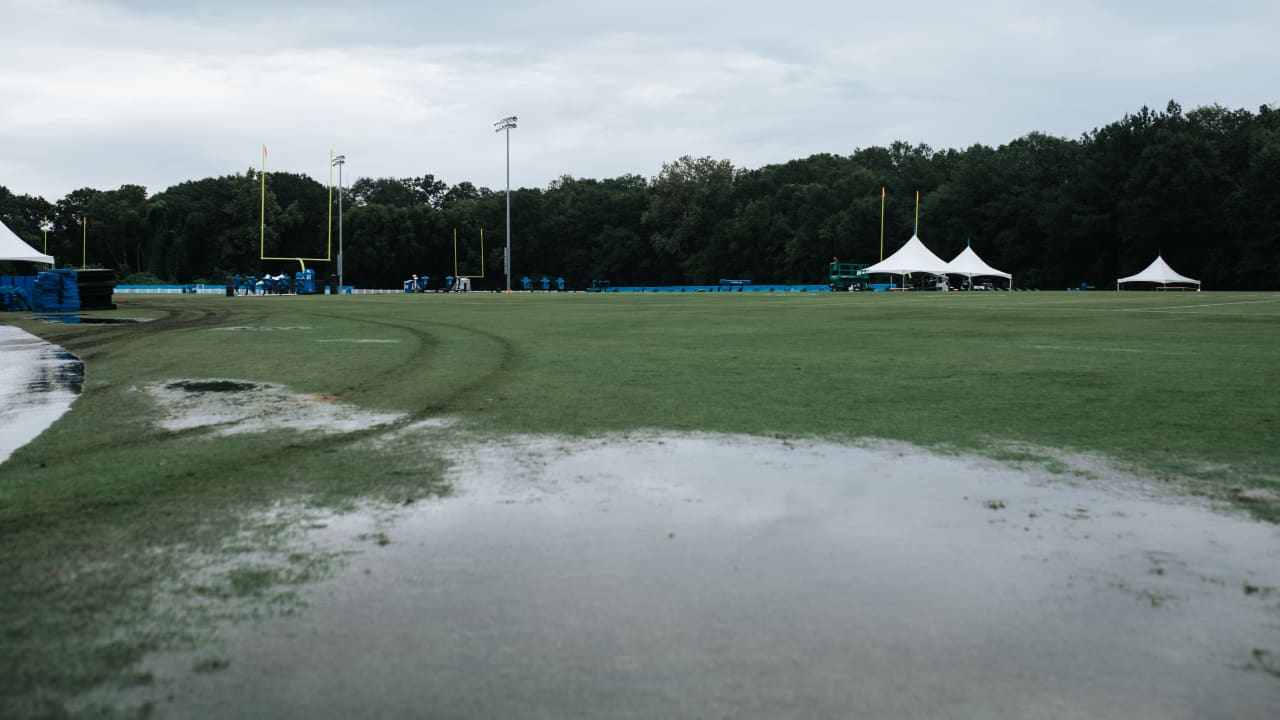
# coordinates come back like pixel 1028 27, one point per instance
pixel 687 200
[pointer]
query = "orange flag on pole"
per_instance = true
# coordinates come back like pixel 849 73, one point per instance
pixel 264 152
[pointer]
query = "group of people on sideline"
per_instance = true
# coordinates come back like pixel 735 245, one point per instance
pixel 419 284
pixel 527 284
pixel 422 283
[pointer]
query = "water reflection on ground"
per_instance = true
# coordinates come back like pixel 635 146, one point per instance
pixel 87 320
pixel 705 577
pixel 38 382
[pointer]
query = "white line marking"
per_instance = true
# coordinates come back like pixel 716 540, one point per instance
pixel 1108 349
pixel 1184 307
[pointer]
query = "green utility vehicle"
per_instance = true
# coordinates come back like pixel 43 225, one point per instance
pixel 848 276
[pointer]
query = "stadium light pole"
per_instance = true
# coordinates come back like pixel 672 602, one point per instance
pixel 339 160
pixel 46 226
pixel 507 124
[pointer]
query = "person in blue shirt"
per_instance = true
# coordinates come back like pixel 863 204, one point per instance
pixel 546 283
pixel 560 284
pixel 525 282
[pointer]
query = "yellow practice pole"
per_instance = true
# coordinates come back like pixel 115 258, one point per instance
pixel 84 244
pixel 455 252
pixel 262 217
pixel 45 227
pixel 481 252
pixel 917 230
pixel 330 245
pixel 262 220
pixel 882 194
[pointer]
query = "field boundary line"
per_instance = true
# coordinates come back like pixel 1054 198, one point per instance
pixel 1185 307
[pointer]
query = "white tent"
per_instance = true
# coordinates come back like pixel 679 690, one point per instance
pixel 1160 273
pixel 13 248
pixel 969 264
pixel 912 257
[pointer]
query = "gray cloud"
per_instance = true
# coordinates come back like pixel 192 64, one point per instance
pixel 142 91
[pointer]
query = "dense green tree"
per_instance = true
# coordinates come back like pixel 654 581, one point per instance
pixel 401 192
pixel 1201 187
pixel 688 200
pixel 161 236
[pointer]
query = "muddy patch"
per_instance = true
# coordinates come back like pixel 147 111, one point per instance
pixel 713 576
pixel 213 386
pixel 38 383
pixel 231 407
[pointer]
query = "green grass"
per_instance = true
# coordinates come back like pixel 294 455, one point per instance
pixel 106 508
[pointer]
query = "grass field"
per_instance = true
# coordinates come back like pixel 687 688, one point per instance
pixel 102 509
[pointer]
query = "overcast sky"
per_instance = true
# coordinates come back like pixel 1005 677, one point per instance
pixel 155 92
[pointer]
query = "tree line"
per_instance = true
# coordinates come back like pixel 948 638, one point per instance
pixel 1201 187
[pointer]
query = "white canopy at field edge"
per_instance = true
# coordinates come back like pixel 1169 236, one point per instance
pixel 912 257
pixel 13 247
pixel 971 265
pixel 1160 273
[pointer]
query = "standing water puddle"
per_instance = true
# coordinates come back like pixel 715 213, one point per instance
pixel 711 576
pixel 87 320
pixel 38 382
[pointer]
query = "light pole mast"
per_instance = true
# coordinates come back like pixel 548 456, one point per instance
pixel 46 226
pixel 507 124
pixel 340 160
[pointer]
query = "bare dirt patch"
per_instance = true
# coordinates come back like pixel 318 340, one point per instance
pixel 231 407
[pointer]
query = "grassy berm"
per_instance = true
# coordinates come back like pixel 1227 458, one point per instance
pixel 105 515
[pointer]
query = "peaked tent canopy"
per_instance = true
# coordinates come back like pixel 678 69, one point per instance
pixel 12 247
pixel 910 258
pixel 969 264
pixel 1158 272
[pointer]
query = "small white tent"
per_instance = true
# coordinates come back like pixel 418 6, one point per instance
pixel 969 264
pixel 912 257
pixel 13 248
pixel 1160 273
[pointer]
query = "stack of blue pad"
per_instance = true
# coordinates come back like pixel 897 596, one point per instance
pixel 15 292
pixel 13 299
pixel 56 291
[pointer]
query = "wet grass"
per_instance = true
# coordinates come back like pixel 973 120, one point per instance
pixel 105 507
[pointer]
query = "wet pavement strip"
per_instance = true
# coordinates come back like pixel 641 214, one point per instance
pixel 724 576
pixel 38 383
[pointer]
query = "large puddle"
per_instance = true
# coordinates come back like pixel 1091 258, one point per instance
pixel 38 383
pixel 717 577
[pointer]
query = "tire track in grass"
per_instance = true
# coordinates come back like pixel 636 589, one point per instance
pixel 95 343
pixel 462 397
pixel 106 340
pixel 506 362
pixel 102 340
